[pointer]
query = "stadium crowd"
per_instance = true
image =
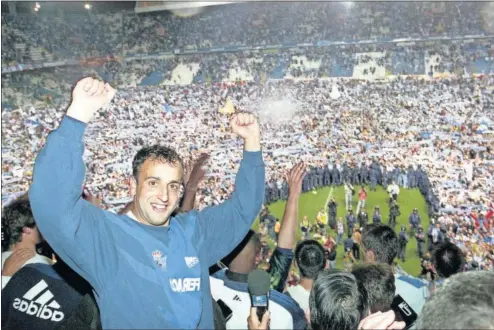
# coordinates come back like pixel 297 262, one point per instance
pixel 69 35
pixel 431 134
pixel 303 177
pixel 105 227
pixel 420 58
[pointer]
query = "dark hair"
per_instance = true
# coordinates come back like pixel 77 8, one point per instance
pixel 251 237
pixel 15 217
pixel 155 152
pixel 464 301
pixel 379 282
pixel 381 240
pixel 337 301
pixel 448 259
pixel 310 258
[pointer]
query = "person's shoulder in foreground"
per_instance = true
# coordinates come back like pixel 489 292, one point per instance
pixel 232 288
pixel 464 301
pixel 413 290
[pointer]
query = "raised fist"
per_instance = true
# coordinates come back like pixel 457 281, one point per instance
pixel 246 126
pixel 89 95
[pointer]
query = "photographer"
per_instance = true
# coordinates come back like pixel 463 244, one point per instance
pixel 332 207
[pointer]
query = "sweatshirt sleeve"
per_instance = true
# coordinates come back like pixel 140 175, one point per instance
pixel 221 228
pixel 76 230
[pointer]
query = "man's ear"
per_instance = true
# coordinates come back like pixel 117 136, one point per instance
pixel 27 231
pixel 133 187
pixel 370 257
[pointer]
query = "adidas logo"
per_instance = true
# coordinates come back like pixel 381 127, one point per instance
pixel 237 298
pixel 191 261
pixel 38 307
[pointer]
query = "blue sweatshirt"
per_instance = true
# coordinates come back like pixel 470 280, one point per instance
pixel 143 276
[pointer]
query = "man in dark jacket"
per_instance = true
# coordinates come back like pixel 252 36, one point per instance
pixel 348 243
pixel 376 216
pixel 420 236
pixel 394 212
pixel 327 176
pixel 332 207
pixel 403 241
pixel 350 221
pixel 436 237
pixel 363 218
pixel 414 221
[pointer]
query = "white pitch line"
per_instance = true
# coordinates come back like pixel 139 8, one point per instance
pixel 327 200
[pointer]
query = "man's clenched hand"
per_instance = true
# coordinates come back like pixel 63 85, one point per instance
pixel 89 95
pixel 246 126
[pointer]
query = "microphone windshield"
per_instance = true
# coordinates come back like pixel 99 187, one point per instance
pixel 258 282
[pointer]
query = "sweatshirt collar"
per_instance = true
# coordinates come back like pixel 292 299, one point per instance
pixel 236 277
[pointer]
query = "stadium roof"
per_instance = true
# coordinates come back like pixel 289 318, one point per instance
pixel 106 6
pixel 147 6
pixel 69 6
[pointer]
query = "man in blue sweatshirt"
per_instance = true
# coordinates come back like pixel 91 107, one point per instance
pixel 148 270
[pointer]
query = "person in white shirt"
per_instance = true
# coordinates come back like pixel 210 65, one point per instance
pixel 310 259
pixel 394 191
pixel 348 195
pixel 20 239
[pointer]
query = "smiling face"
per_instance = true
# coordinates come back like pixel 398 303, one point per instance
pixel 157 191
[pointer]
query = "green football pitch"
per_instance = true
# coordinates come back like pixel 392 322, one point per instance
pixel 310 204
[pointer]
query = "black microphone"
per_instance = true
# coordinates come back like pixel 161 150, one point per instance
pixel 259 283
